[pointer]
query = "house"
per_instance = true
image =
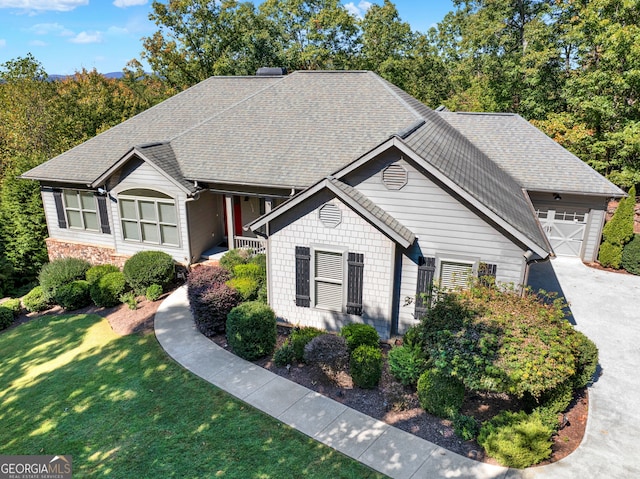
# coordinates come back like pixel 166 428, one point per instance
pixel 360 195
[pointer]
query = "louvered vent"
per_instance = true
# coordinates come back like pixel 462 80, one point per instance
pixel 394 176
pixel 330 215
pixel 455 275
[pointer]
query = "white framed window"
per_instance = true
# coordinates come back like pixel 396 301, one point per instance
pixel 149 217
pixel 328 279
pixel 455 274
pixel 81 210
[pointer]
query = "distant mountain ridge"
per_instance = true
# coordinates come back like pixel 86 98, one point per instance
pixel 107 75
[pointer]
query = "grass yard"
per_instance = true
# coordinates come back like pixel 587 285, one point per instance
pixel 122 408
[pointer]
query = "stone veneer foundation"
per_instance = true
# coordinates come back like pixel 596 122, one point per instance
pixel 93 254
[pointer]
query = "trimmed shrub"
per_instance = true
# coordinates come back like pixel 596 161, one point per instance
pixel 586 353
pixel 61 272
pixel 107 289
pixel 153 292
pixel 247 287
pixel 249 270
pixel 407 364
pixel 631 255
pixel 210 307
pixel 96 272
pixel 439 394
pixel 357 334
pixel 329 352
pixel 204 276
pixel 35 300
pixel 365 366
pixel 260 260
pixel 610 255
pixel 235 257
pixel 466 427
pixel 284 355
pixel 516 439
pixel 148 267
pixel 412 338
pixel 262 294
pixel 74 295
pixel 251 330
pixel 6 317
pixel 14 305
pixel 300 337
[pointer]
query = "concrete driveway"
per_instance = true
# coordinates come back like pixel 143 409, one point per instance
pixel 606 307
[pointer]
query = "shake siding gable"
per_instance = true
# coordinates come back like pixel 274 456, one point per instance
pixel 444 227
pixel 301 227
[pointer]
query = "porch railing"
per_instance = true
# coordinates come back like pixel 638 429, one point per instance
pixel 258 245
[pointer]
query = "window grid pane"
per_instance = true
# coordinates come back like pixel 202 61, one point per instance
pixel 130 230
pixel 90 220
pixel 147 210
pixel 149 221
pixel 87 201
pixel 71 199
pixel 128 208
pixel 74 219
pixel 150 232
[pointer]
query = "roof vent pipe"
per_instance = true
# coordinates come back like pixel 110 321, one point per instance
pixel 271 71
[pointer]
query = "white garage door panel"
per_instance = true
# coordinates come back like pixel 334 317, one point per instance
pixel 565 230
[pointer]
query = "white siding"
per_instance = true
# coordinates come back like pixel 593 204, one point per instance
pixel 71 234
pixel 445 228
pixel 142 175
pixel 303 228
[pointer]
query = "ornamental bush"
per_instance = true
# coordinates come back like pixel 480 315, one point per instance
pixel 204 276
pixel 300 337
pixel 14 305
pixel 61 272
pixel 105 292
pixel 149 267
pixel 439 394
pixel 610 255
pixel 586 353
pixel 365 366
pixel 407 364
pixel 618 231
pixel 284 355
pixel 35 300
pixel 247 287
pixel 235 257
pixel 73 295
pixel 631 255
pixel 96 272
pixel 466 427
pixel 249 270
pixel 329 352
pixel 357 334
pixel 516 439
pixel 251 330
pixel 210 307
pixel 153 292
pixel 6 317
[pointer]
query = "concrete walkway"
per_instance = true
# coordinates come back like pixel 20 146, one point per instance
pixel 610 448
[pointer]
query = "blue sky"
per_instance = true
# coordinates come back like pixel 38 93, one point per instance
pixel 68 35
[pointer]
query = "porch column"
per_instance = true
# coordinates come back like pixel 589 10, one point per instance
pixel 268 205
pixel 228 205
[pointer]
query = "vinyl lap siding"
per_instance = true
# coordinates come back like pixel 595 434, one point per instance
pixel 206 223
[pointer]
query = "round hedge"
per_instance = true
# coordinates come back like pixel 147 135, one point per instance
pixel 96 272
pixel 106 291
pixel 365 366
pixel 74 295
pixel 358 334
pixel 631 255
pixel 439 394
pixel 35 300
pixel 149 267
pixel 6 317
pixel 251 330
pixel 61 272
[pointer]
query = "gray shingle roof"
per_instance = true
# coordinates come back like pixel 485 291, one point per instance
pixel 536 161
pixel 87 161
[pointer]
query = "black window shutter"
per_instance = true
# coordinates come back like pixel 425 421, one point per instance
pixel 303 266
pixel 355 264
pixel 487 271
pixel 424 288
pixel 57 198
pixel 104 215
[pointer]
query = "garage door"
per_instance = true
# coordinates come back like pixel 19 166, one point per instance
pixel 565 230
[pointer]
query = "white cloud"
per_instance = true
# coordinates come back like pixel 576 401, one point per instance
pixel 43 5
pixel 358 10
pixel 38 43
pixel 128 3
pixel 87 37
pixel 50 28
pixel 3 43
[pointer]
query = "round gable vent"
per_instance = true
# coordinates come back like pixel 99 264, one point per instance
pixel 394 176
pixel 330 215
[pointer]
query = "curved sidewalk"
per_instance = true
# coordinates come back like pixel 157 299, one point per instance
pixel 384 448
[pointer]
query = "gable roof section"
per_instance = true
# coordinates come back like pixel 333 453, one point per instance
pixel 355 200
pixel 88 161
pixel 532 158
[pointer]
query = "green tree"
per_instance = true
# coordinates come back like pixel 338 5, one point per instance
pixel 313 34
pixel 618 231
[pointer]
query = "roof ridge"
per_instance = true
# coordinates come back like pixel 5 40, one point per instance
pixel 387 86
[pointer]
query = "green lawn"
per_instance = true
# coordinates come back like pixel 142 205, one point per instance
pixel 122 408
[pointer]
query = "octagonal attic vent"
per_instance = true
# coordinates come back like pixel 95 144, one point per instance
pixel 330 215
pixel 394 176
